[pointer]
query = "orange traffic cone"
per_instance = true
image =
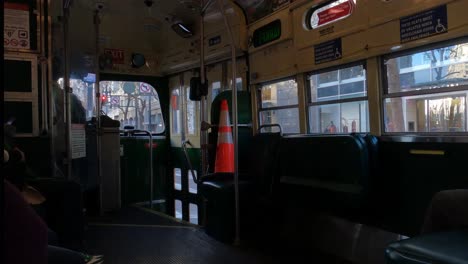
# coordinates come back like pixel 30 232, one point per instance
pixel 225 150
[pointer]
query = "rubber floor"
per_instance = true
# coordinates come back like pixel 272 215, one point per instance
pixel 137 236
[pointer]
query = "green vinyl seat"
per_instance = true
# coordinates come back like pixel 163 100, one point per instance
pixel 440 248
pixel 255 187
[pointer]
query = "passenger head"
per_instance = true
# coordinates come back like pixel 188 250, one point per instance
pixel 6 156
pixel 9 133
pixel 9 128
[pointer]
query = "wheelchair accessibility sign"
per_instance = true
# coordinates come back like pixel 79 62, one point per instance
pixel 424 24
pixel 328 51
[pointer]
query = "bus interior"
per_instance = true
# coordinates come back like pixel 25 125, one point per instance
pixel 243 131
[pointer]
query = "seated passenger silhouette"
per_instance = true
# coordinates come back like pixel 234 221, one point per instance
pixel 447 211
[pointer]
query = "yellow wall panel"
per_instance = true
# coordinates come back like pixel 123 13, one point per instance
pixel 273 62
pixel 379 39
pixel 353 48
pixel 384 11
pixel 385 38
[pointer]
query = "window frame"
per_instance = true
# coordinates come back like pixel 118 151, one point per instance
pixel 262 109
pixel 29 96
pixel 154 90
pixel 196 113
pixel 171 114
pixel 309 102
pixel 384 94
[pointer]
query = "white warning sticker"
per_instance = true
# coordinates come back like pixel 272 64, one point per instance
pixel 78 141
pixel 16 26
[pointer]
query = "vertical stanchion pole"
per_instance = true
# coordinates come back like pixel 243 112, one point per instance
pixel 44 93
pixel 203 103
pixel 97 21
pixel 67 88
pixel 50 94
pixel 44 66
pixel 235 121
pixel 151 167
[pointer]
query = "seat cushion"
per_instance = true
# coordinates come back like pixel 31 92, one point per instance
pixel 441 248
pixel 218 192
pixel 223 184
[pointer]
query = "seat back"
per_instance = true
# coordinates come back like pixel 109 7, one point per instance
pixel 335 167
pixel 440 247
pixel 263 162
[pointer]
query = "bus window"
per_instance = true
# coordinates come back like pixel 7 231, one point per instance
pixel 279 105
pixel 176 112
pixel 191 114
pixel 192 184
pixel 178 209
pixel 82 99
pixel 426 91
pixel 215 90
pixel 238 84
pixel 177 179
pixel 193 211
pixel 132 103
pixel 338 101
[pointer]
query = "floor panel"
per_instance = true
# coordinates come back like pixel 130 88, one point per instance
pixel 137 236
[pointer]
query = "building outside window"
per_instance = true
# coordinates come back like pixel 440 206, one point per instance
pixel 176 111
pixel 338 100
pixel 426 91
pixel 83 97
pixel 192 114
pixel 133 104
pixel 279 105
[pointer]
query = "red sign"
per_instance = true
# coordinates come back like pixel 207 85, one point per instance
pixel 118 55
pixel 174 100
pixel 330 14
pixel 145 88
pixel 77 126
pixel 14 42
pixel 16 6
pixel 147 145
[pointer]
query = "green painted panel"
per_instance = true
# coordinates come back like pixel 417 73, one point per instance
pixel 135 181
pixel 179 160
pixel 244 109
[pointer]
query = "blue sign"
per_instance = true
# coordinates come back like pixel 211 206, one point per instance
pixel 214 41
pixel 328 51
pixel 129 88
pixel 90 78
pixel 424 24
